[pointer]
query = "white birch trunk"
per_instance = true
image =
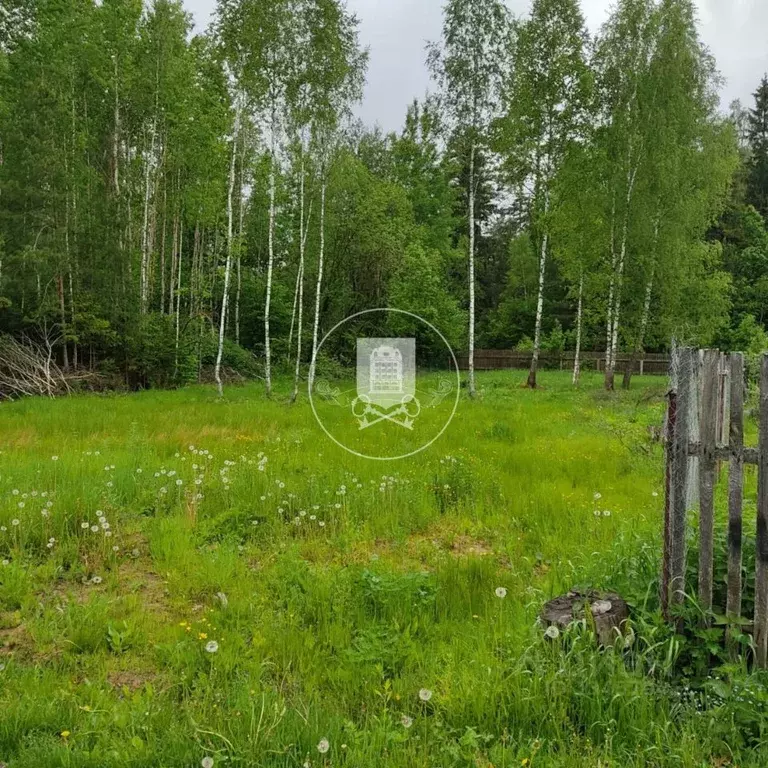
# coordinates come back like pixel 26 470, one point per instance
pixel 540 299
pixel 116 141
pixel 145 228
pixel 579 316
pixel 319 285
pixel 228 267
pixel 174 251
pixel 162 250
pixel 471 353
pixel 240 242
pixel 611 289
pixel 620 281
pixel 298 299
pixel 270 264
pixel 639 344
pixel 293 312
pixel 303 229
pixel 178 309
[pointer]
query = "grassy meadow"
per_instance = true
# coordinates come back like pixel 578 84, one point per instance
pixel 186 581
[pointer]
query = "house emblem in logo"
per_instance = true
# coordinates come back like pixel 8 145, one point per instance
pixel 386 382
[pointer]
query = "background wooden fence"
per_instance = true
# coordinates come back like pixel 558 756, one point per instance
pixel 704 428
pixel 495 359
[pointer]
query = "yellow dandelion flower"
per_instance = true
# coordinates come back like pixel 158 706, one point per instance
pixel 202 636
pixel 65 734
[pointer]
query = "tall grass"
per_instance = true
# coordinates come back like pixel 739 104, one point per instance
pixel 244 588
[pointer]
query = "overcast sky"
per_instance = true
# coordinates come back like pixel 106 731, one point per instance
pixel 396 31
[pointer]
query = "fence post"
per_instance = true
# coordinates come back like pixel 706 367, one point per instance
pixel 707 440
pixel 677 480
pixel 735 485
pixel 669 478
pixel 761 544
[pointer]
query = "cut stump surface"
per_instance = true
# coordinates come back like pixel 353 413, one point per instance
pixel 608 610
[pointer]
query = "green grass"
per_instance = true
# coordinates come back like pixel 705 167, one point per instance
pixel 328 628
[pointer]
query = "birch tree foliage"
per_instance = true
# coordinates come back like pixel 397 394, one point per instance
pixel 546 102
pixel 468 66
pixel 622 58
pixel 338 65
pixel 577 227
pixel 256 40
pixel 328 79
pixel 688 159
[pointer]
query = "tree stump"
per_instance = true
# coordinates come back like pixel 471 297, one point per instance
pixel 608 610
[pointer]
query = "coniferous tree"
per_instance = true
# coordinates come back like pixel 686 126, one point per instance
pixel 757 131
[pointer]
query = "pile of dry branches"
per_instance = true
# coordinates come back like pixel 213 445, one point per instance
pixel 29 368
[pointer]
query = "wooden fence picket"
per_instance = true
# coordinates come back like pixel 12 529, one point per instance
pixel 707 433
pixel 761 543
pixel 708 440
pixel 735 485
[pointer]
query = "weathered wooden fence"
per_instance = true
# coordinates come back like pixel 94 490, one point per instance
pixel 704 428
pixel 496 359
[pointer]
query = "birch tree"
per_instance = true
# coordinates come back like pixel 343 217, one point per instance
pixel 546 110
pixel 690 159
pixel 301 95
pixel 338 65
pixel 577 226
pixel 623 56
pixel 230 240
pixel 468 65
